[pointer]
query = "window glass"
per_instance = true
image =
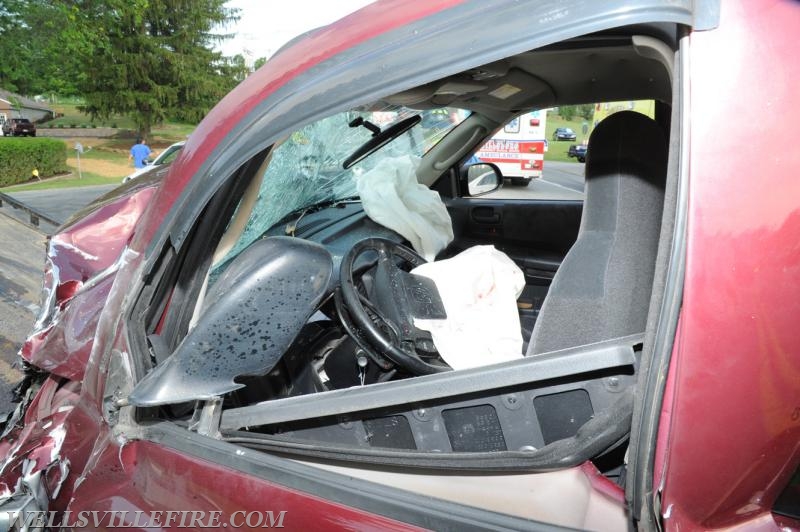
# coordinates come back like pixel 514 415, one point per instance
pixel 306 169
pixel 541 154
pixel 171 154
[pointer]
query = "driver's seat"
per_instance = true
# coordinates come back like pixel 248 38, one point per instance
pixel 602 289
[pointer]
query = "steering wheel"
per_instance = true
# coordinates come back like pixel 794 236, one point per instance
pixel 397 298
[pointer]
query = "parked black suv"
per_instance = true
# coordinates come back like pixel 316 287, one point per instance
pixel 17 127
pixel 579 151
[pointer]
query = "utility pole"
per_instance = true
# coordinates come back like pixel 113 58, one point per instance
pixel 79 150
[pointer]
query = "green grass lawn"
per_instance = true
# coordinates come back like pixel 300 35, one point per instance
pixel 557 150
pixel 101 153
pixel 73 117
pixel 173 131
pixel 65 181
pixel 99 166
pixel 106 161
pixel 123 146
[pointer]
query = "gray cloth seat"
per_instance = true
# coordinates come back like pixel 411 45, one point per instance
pixel 602 288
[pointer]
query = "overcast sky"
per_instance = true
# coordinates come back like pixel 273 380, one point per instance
pixel 266 25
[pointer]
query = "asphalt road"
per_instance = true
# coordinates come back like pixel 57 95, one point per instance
pixel 567 175
pixel 559 181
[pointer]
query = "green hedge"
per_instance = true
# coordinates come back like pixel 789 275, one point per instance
pixel 18 158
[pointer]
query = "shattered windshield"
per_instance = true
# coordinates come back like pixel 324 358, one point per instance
pixel 306 170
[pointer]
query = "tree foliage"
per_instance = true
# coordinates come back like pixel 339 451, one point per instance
pixel 586 111
pixel 568 112
pixel 149 59
pixel 154 59
pixel 235 68
pixel 42 46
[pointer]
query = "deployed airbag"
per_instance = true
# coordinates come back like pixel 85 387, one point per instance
pixel 479 288
pixel 392 197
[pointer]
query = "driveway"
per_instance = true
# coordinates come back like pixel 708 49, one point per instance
pixel 58 203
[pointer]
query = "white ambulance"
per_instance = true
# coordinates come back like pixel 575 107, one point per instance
pixel 518 149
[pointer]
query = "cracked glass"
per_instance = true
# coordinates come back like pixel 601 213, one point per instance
pixel 305 170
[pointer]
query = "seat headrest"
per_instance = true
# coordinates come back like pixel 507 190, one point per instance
pixel 625 171
pixel 627 141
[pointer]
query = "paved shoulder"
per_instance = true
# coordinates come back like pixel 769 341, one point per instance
pixel 22 253
pixel 61 203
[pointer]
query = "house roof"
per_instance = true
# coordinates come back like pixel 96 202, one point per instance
pixel 27 103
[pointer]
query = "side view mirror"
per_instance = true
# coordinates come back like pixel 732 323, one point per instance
pixel 253 313
pixel 483 178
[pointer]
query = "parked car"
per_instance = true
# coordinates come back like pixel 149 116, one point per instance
pixel 240 332
pixel 578 151
pixel 564 133
pixel 19 127
pixel 165 157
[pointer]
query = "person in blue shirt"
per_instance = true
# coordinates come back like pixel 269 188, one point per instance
pixel 139 153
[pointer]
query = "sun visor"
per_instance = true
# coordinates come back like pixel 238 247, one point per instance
pixel 517 90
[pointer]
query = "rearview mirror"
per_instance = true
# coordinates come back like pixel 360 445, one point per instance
pixel 483 178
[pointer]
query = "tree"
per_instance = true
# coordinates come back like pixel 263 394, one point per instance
pixel 586 111
pixel 567 112
pixel 261 61
pixel 42 43
pixel 13 66
pixel 154 59
pixel 234 68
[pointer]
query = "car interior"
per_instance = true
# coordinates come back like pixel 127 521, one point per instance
pixel 326 365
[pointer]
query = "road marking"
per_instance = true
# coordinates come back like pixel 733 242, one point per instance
pixel 561 186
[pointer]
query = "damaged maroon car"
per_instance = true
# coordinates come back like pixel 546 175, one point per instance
pixel 327 314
